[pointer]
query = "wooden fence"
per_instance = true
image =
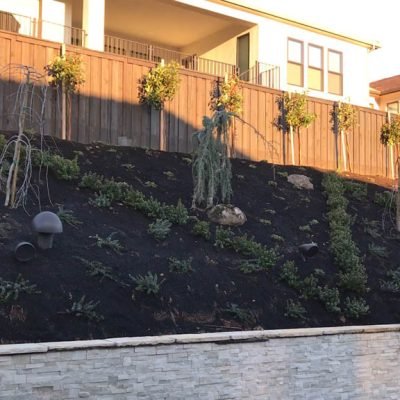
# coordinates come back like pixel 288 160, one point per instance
pixel 107 108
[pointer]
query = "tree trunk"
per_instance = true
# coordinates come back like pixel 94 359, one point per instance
pixel 14 168
pixel 292 144
pixel 398 197
pixel 344 155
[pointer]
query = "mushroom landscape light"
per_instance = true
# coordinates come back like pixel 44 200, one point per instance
pixel 46 224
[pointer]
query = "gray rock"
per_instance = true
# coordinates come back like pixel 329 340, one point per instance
pixel 300 181
pixel 227 214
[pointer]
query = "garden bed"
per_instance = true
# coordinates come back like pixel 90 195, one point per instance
pixel 89 284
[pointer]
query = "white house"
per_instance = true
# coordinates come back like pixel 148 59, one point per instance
pixel 213 36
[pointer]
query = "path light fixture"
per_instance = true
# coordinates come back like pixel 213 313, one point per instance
pixel 46 224
pixel 308 250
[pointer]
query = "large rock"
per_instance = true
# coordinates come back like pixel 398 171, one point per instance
pixel 300 181
pixel 226 214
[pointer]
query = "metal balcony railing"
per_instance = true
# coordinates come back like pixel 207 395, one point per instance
pixel 262 74
pixel 40 29
pixel 149 52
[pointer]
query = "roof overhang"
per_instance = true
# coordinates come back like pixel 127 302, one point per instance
pixel 238 5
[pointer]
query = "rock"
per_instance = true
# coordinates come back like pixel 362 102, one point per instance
pixel 300 181
pixel 227 214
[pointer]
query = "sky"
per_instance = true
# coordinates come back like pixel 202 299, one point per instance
pixel 370 20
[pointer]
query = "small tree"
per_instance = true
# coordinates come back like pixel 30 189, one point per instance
pixel 344 116
pixel 295 115
pixel 227 95
pixel 159 85
pixel 66 73
pixel 16 155
pixel 390 136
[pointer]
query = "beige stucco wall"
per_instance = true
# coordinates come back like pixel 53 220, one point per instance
pixel 382 101
pixel 55 15
pixel 22 8
pixel 223 46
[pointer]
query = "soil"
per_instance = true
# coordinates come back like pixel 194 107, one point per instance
pixel 197 301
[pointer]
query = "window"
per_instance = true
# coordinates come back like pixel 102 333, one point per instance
pixel 315 68
pixel 295 63
pixel 335 72
pixel 393 108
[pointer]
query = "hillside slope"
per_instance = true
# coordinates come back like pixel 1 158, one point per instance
pixel 89 287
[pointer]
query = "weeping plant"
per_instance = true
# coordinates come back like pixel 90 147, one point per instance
pixel 211 168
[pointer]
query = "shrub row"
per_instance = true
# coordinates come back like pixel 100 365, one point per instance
pixel 263 258
pixel 109 191
pixel 352 272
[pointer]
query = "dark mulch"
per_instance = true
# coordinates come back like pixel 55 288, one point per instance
pixel 192 302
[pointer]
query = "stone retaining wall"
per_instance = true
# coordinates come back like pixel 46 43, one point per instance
pixel 319 363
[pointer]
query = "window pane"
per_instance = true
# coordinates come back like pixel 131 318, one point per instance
pixel 295 74
pixel 392 108
pixel 295 50
pixel 335 83
pixel 315 57
pixel 334 62
pixel 315 79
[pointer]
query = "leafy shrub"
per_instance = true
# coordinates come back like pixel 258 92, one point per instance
pixel 92 181
pixel 148 283
pixel 10 290
pixel 289 273
pixel 68 217
pixel 108 242
pixel 263 257
pixel 356 190
pixel 385 199
pixel 160 229
pixel 202 228
pixel 98 269
pixel 159 85
pixel 100 200
pixel 240 314
pixel 310 288
pixel 392 283
pixel 331 299
pixel 355 307
pixel 223 237
pixel 84 309
pixel 62 168
pixel 180 266
pixel 295 310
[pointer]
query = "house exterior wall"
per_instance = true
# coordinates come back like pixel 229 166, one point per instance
pixel 55 14
pixel 273 41
pixel 383 100
pixel 20 8
pixel 227 51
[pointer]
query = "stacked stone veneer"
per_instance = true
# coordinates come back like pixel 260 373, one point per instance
pixel 322 363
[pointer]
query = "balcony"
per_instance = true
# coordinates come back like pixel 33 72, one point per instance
pixel 260 74
pixel 41 29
